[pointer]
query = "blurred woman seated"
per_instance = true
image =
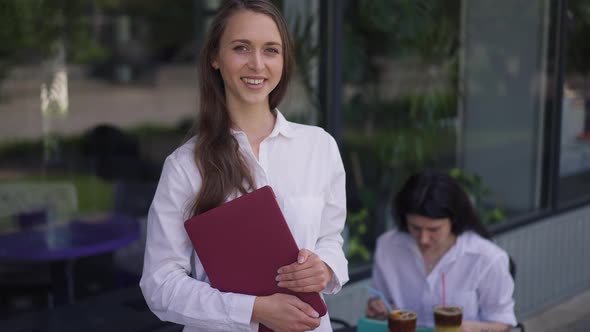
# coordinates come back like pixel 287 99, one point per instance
pixel 440 237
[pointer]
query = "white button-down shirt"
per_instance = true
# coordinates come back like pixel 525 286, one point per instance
pixel 476 272
pixel 303 166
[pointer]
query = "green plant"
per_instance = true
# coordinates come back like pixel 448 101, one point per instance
pixel 428 29
pixel 93 193
pixel 307 51
pixel 388 133
pixel 34 28
pixel 408 134
pixel 169 27
pixel 479 192
pixel 357 226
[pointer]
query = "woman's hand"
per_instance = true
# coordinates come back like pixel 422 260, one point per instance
pixel 473 326
pixel 285 313
pixel 308 274
pixel 469 326
pixel 376 309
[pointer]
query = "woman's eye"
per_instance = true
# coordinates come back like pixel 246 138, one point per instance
pixel 272 50
pixel 241 48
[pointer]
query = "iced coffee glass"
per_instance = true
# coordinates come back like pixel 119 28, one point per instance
pixel 402 321
pixel 448 318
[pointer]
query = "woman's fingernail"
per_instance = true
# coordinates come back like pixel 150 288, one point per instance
pixel 315 314
pixel 300 259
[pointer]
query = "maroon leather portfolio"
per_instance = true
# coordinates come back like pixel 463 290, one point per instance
pixel 242 244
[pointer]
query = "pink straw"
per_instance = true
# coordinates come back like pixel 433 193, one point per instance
pixel 443 289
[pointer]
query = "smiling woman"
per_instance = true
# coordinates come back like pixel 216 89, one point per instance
pixel 243 143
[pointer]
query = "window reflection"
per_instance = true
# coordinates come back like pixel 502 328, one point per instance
pixel 400 106
pixel 93 96
pixel 452 85
pixel 574 163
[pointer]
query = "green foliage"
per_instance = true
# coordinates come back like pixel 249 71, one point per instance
pixel 474 186
pixel 32 30
pixel 306 51
pixel 18 147
pixel 152 129
pixel 32 27
pixel 411 131
pixel 415 111
pixel 94 194
pixel 170 26
pixel 387 139
pixel 357 226
pixel 407 135
pixel 428 29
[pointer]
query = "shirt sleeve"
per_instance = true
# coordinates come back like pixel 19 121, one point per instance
pixel 169 290
pixel 378 280
pixel 329 244
pixel 495 293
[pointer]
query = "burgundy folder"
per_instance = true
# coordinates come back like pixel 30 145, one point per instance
pixel 242 244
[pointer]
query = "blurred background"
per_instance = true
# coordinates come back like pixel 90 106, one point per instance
pixel 94 94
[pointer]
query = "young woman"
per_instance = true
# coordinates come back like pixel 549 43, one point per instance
pixel 440 234
pixel 242 143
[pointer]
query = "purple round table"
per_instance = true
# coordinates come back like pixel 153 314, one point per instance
pixel 71 240
pixel 67 242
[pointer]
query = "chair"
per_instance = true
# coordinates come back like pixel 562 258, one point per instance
pixel 24 205
pixel 28 201
pixel 113 154
pixel 339 322
pixel 23 285
pixel 134 197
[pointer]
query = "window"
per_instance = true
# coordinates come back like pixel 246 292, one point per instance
pixel 453 85
pixel 302 104
pixel 93 96
pixel 574 166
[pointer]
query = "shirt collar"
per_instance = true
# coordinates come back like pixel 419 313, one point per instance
pixel 456 250
pixel 282 126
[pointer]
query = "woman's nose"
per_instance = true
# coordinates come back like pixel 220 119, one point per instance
pixel 256 62
pixel 424 238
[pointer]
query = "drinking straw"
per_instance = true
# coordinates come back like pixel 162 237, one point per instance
pixel 381 296
pixel 443 289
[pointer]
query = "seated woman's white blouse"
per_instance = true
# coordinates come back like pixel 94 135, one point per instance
pixel 303 166
pixel 476 272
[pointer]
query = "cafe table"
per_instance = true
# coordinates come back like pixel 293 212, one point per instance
pixel 61 244
pixel 371 325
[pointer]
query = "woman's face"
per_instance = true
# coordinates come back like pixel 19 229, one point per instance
pixel 250 59
pixel 431 235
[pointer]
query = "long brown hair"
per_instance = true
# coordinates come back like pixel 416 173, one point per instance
pixel 223 168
